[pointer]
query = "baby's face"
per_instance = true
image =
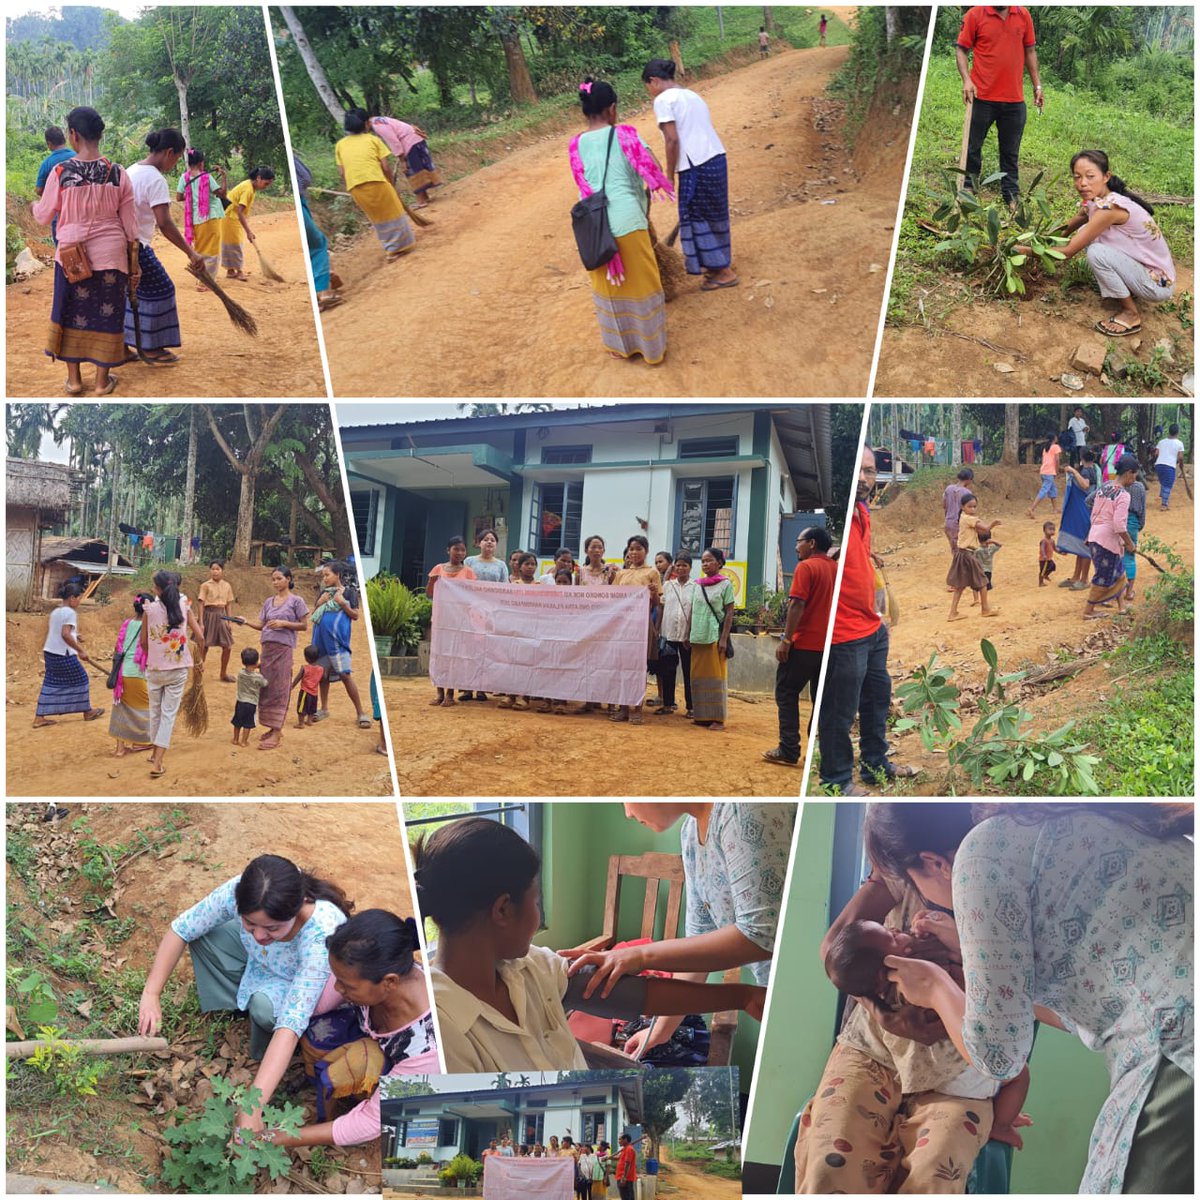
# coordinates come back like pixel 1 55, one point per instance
pixel 884 941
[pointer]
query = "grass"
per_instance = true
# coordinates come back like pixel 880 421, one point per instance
pixel 702 1157
pixel 1151 153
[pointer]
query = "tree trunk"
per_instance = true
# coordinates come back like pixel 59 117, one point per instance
pixel 312 66
pixel 894 441
pixel 677 59
pixel 1011 456
pixel 720 23
pixel 891 18
pixel 768 19
pixel 189 487
pixel 956 435
pixel 519 83
pixel 185 120
pixel 112 516
pixel 245 520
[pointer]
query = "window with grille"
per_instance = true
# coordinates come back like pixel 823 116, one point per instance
pixel 534 1125
pixel 715 447
pixel 556 518
pixel 364 506
pixel 704 515
pixel 594 1128
pixel 563 456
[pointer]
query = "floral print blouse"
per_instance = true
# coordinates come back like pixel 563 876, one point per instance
pixel 292 974
pixel 736 875
pixel 167 649
pixel 1094 921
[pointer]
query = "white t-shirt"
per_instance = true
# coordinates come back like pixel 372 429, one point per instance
pixel 1169 450
pixel 60 619
pixel 1079 427
pixel 149 188
pixel 698 141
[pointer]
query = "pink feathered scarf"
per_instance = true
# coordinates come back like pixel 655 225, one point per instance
pixel 189 224
pixel 642 161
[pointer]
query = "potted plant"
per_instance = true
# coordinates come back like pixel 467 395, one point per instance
pixel 463 1170
pixel 393 609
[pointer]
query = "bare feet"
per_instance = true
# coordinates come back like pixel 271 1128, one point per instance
pixel 957 617
pixel 990 612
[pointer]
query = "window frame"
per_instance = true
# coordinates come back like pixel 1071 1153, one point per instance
pixel 551 456
pixel 680 484
pixel 689 449
pixel 534 529
pixel 366 546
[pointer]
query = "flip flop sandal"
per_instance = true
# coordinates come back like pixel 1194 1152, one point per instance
pixel 72 391
pixel 44 724
pixel 157 772
pixel 163 360
pixel 109 387
pixel 903 772
pixel 709 286
pixel 365 722
pixel 636 719
pixel 1126 330
pixel 773 756
pixel 325 303
pixel 94 715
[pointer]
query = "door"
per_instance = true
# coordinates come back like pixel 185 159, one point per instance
pixel 444 519
pixel 18 582
pixel 791 525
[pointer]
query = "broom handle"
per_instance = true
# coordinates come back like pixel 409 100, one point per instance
pixel 966 137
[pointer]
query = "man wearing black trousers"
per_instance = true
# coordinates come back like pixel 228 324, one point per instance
pixel 996 46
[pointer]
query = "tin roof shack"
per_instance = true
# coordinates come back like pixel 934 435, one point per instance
pixel 66 558
pixel 37 497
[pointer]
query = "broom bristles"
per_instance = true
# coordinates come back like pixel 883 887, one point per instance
pixel 268 270
pixel 670 267
pixel 194 704
pixel 237 314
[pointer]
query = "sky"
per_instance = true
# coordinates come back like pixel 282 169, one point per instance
pixel 383 412
pixel 128 11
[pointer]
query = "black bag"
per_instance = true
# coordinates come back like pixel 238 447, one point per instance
pixel 589 222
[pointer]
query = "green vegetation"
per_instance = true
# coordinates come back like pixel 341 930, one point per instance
pixel 704 1158
pixel 461 1168
pixel 398 613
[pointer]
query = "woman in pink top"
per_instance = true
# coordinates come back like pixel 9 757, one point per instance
pixel 1049 473
pixel 164 638
pixel 1125 247
pixel 1109 540
pixel 93 201
pixel 408 142
pixel 371 957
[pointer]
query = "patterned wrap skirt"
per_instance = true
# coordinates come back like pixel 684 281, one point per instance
pixel 64 686
pixel 422 174
pixel 87 320
pixel 276 665
pixel 156 305
pixel 130 719
pixel 207 243
pixel 966 571
pixel 383 209
pixel 216 630
pixel 632 316
pixel 710 670
pixel 1108 579
pixel 233 257
pixel 704 216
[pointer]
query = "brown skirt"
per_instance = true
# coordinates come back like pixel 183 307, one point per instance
pixel 216 631
pixel 966 571
pixel 276 665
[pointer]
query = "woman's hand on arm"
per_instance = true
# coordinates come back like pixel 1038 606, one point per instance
pixel 270 1071
pixel 927 985
pixel 170 951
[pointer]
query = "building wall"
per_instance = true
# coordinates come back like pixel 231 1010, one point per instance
pixel 20 556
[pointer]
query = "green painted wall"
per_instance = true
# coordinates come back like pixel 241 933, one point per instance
pixel 1068 1086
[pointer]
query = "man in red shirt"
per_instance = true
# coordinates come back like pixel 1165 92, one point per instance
pixel 996 46
pixel 627 1168
pixel 857 683
pixel 802 643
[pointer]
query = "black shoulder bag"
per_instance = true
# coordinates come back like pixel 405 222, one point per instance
pixel 589 221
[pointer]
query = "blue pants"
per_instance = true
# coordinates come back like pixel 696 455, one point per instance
pixel 1166 481
pixel 1048 488
pixel 857 683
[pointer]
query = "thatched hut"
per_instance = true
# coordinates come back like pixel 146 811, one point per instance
pixel 37 498
pixel 68 558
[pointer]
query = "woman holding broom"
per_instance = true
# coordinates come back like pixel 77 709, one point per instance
pixel 281 617
pixel 130 720
pixel 201 193
pixel 65 686
pixel 627 292
pixel 154 290
pixel 164 637
pixel 360 159
pixel 92 199
pixel 409 143
pixel 234 224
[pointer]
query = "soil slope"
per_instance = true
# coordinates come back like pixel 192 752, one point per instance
pixel 493 301
pixel 216 359
pixel 332 758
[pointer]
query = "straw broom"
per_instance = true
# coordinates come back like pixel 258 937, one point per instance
pixel 237 314
pixel 194 705
pixel 670 266
pixel 266 268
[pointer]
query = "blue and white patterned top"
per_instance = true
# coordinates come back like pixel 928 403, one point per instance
pixel 1094 921
pixel 293 974
pixel 736 876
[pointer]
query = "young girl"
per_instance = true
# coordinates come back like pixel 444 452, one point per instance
pixel 638 574
pixel 258 946
pixel 201 193
pixel 214 601
pixel 1087 480
pixel 1049 472
pixel 526 574
pixel 966 571
pixel 707 638
pixel 308 678
pixel 500 999
pixel 371 957
pixel 1125 247
pixel 594 571
pixel 563 560
pixel 410 143
pixel 337 608
pixel 455 568
pixel 234 224
pixel 490 569
pixel 360 157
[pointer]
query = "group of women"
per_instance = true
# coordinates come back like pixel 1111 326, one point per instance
pixel 107 217
pixel 153 654
pixel 286 947
pixel 1078 916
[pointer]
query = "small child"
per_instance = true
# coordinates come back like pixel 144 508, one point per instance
pixel 966 571
pixel 564 560
pixel 309 678
pixel 1046 552
pixel 986 553
pixel 250 684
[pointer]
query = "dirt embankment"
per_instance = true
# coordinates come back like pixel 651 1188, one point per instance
pixel 117 1136
pixel 494 302
pixel 72 758
pixel 1035 626
pixel 476 749
pixel 216 358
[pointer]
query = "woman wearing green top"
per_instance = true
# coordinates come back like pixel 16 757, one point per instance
pixel 708 637
pixel 130 720
pixel 201 193
pixel 627 291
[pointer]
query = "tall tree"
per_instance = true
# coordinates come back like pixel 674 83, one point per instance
pixel 187 34
pixel 520 85
pixel 315 71
pixel 1011 455
pixel 189 486
pixel 956 434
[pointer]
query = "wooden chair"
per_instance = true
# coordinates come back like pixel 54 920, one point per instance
pixel 656 869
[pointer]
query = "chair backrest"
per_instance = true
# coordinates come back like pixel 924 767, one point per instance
pixel 655 869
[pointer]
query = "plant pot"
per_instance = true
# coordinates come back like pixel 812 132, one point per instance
pixel 383 645
pixel 462 1185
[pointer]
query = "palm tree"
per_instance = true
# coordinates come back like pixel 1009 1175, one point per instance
pixel 26 424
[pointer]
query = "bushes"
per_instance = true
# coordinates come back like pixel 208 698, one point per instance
pixel 397 612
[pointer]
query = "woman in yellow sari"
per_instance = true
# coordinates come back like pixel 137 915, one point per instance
pixel 235 227
pixel 368 178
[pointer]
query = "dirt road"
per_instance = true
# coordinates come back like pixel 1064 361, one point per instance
pixel 1037 339
pixel 477 749
pixel 493 301
pixel 1034 624
pixel 333 758
pixel 216 358
pixel 686 1179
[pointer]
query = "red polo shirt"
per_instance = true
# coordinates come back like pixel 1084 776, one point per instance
pixel 856 616
pixel 627 1165
pixel 812 582
pixel 997 45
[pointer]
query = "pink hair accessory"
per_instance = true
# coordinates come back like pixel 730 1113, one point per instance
pixel 586 87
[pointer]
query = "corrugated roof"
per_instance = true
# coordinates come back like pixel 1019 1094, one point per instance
pixel 54 548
